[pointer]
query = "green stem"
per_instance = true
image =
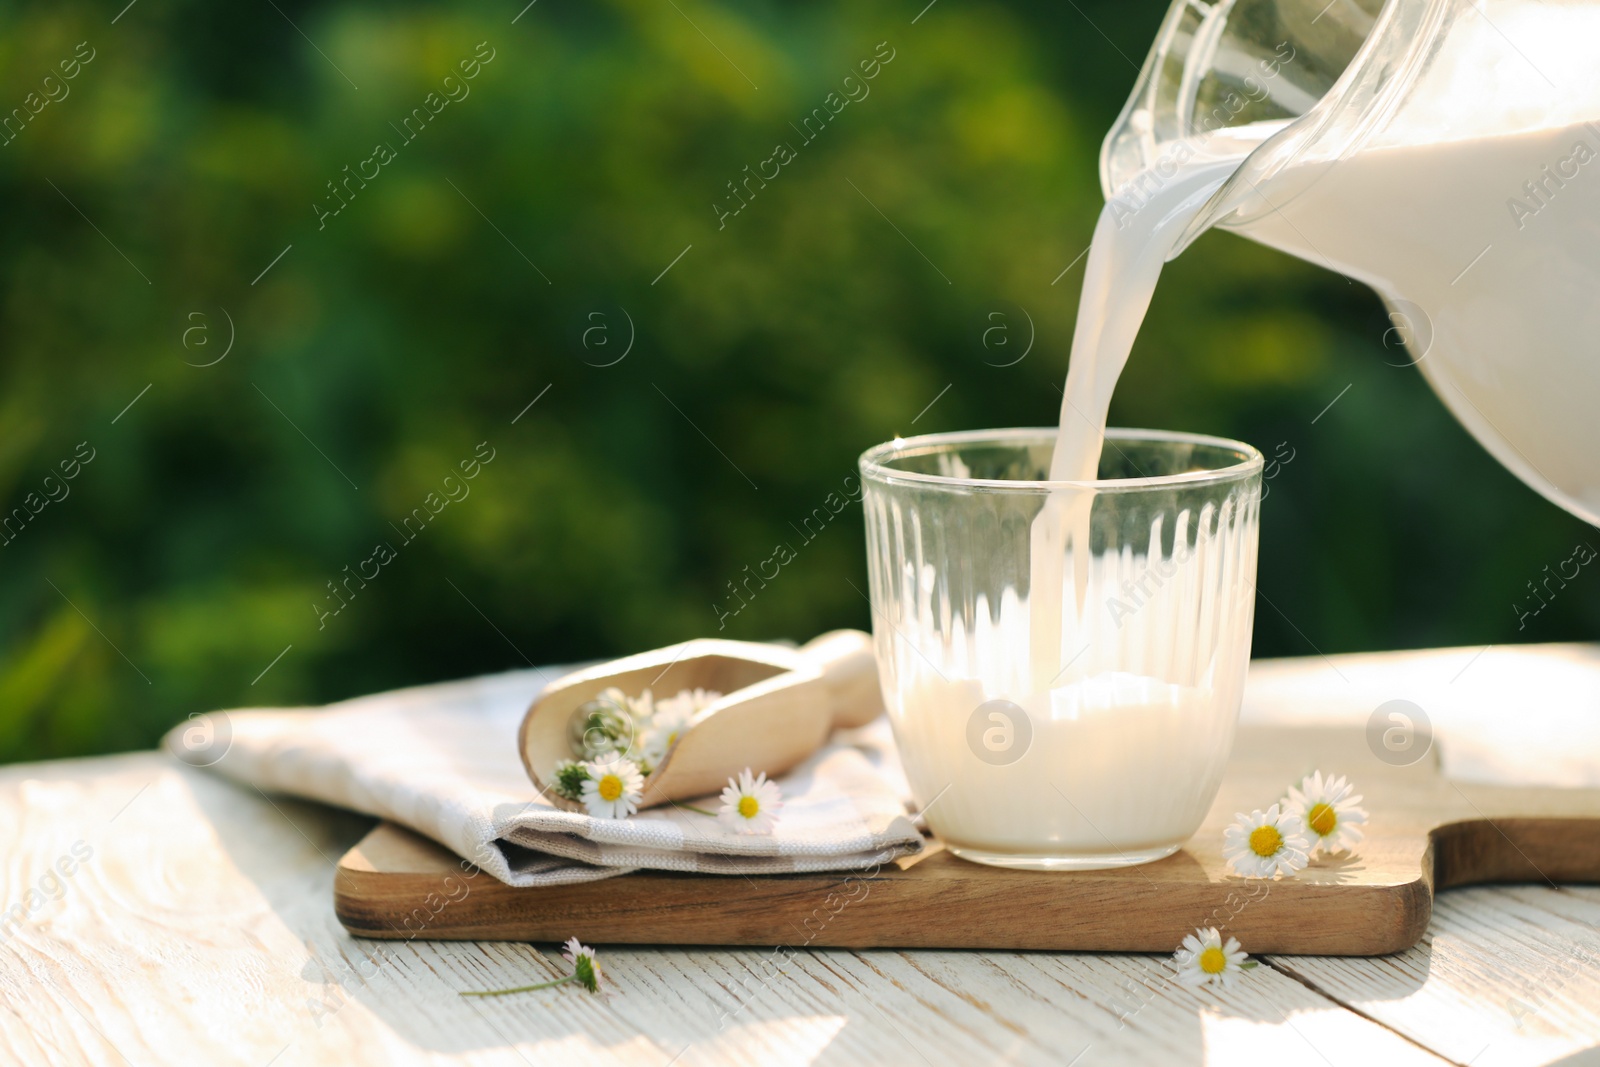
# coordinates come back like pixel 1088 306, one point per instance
pixel 697 811
pixel 520 988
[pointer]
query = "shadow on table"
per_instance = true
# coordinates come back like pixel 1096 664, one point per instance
pixel 410 987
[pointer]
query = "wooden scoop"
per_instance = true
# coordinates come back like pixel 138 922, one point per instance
pixel 777 707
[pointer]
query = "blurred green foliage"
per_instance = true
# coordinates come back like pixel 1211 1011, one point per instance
pixel 380 349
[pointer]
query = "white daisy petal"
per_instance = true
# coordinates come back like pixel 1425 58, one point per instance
pixel 1206 959
pixel 750 804
pixel 677 711
pixel 613 788
pixel 1266 844
pixel 642 707
pixel 585 966
pixel 1329 811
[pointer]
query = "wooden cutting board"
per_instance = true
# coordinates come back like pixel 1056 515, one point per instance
pixel 1424 834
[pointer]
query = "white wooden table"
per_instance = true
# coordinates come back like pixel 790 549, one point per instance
pixel 200 929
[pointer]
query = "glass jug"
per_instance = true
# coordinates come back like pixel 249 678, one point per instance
pixel 1444 152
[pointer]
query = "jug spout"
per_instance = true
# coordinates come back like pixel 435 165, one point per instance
pixel 1280 81
pixel 1231 64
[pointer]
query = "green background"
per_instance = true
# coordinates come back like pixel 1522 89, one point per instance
pixel 380 350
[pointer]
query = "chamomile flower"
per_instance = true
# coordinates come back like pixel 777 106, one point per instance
pixel 641 707
pixel 671 718
pixel 1265 844
pixel 604 725
pixel 1204 958
pixel 613 788
pixel 676 711
pixel 640 728
pixel 673 715
pixel 585 966
pixel 653 747
pixel 569 778
pixel 585 972
pixel 1331 816
pixel 750 805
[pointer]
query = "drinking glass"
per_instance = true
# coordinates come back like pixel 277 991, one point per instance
pixel 1062 661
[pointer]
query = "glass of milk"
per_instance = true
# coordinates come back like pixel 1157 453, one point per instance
pixel 1062 661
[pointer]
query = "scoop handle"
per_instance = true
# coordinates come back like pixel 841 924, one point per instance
pixel 850 672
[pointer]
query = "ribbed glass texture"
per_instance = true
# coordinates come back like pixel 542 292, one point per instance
pixel 1062 663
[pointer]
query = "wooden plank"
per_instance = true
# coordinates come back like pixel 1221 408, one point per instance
pixel 1505 977
pixel 200 929
pixel 395 884
pixel 1423 827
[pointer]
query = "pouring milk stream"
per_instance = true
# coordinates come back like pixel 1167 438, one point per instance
pixel 1454 166
pixel 1477 203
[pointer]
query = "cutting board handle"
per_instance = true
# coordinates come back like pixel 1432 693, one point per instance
pixel 850 672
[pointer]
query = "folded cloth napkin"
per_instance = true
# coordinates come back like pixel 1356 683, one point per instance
pixel 443 760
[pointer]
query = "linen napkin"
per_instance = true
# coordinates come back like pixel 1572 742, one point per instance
pixel 443 760
pixel 1508 715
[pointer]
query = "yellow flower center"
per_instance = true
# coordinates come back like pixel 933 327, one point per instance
pixel 1212 961
pixel 610 787
pixel 749 807
pixel 1322 819
pixel 1265 841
